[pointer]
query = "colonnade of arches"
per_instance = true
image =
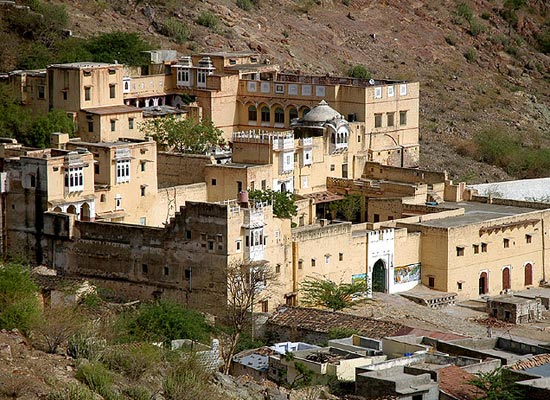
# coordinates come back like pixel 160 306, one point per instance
pixel 275 115
pixel 82 212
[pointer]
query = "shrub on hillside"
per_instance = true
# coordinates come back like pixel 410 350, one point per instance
pixel 19 307
pixel 359 71
pixel 207 19
pixel 175 29
pixel 163 321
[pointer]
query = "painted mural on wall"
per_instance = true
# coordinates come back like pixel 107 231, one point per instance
pixel 407 273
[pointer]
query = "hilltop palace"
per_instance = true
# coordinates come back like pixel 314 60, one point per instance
pixel 108 205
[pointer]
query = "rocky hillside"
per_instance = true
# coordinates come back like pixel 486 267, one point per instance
pixel 480 63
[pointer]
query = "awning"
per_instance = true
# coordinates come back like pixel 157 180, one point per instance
pixel 324 196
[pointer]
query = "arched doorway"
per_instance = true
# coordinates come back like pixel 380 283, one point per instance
pixel 483 283
pixel 528 274
pixel 506 279
pixel 283 187
pixel 379 276
pixel 57 209
pixel 85 212
pixel 71 209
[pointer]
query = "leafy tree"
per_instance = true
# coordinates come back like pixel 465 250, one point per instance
pixel 72 49
pixel 509 12
pixel 124 47
pixel 14 120
pixel 39 133
pixel 348 207
pixel 19 306
pixel 163 321
pixel 496 386
pixel 283 202
pixel 321 292
pixel 359 71
pixel 183 135
pixel 543 40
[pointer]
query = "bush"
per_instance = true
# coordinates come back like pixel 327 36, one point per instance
pixel 471 55
pixel 19 306
pixel 476 27
pixel 451 40
pixel 340 333
pixel 134 360
pixel 72 392
pixel 359 71
pixel 96 377
pixel 176 30
pixel 162 322
pixel 188 380
pixel 245 5
pixel 463 10
pixel 124 47
pixel 543 41
pixel 207 19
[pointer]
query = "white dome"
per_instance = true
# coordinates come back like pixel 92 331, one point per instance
pixel 322 113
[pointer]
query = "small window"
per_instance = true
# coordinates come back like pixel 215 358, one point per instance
pixel 264 184
pixel 403 89
pixel 391 91
pixel 340 256
pixel 506 243
pixel 142 166
pixel 113 125
pixel 484 247
pixel 265 306
pixel 142 191
pixel 144 268
pixel 213 182
pixel 313 262
pixel 252 113
pixel 418 397
pixel 210 245
pixel 166 271
pixel 87 73
pixel 378 93
pixel 41 92
pixel 459 285
pixel 188 234
pixel 391 119
pixel 265 114
pixel 376 218
pixel 402 117
pixel 300 264
pixel 232 61
pixel 90 126
pixel 528 239
pixel 238 244
pixel 239 186
pixel 278 268
pixel 377 120
pixel 507 315
pixel 131 123
pixel 327 259
pixel 431 281
pixel 87 93
pixel 332 168
pixel 459 251
pixel 65 95
pixel 103 198
pixel 96 169
pixel 112 91
pixel 112 71
pixel 476 248
pixel 187 274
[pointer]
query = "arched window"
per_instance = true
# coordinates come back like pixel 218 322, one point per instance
pixel 305 110
pixel 506 279
pixel 252 113
pixel 279 116
pixel 528 274
pixel 292 113
pixel 265 114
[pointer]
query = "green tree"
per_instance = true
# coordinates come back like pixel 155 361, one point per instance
pixel 283 203
pixel 124 47
pixel 509 12
pixel 321 292
pixel 14 120
pixel 349 207
pixel 19 306
pixel 39 133
pixel 163 321
pixel 495 386
pixel 183 135
pixel 359 71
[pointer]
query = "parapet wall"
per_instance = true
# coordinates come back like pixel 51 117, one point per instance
pixel 374 170
pixel 175 169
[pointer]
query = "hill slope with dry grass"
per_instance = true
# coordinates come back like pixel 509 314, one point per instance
pixel 481 67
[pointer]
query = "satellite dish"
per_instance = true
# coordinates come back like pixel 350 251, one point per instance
pixel 371 81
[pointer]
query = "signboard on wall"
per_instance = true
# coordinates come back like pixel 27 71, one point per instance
pixel 358 278
pixel 407 273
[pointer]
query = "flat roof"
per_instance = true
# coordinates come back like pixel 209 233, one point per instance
pixel 524 189
pixel 510 299
pixel 474 213
pixel 120 109
pixel 84 65
pixel 229 54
